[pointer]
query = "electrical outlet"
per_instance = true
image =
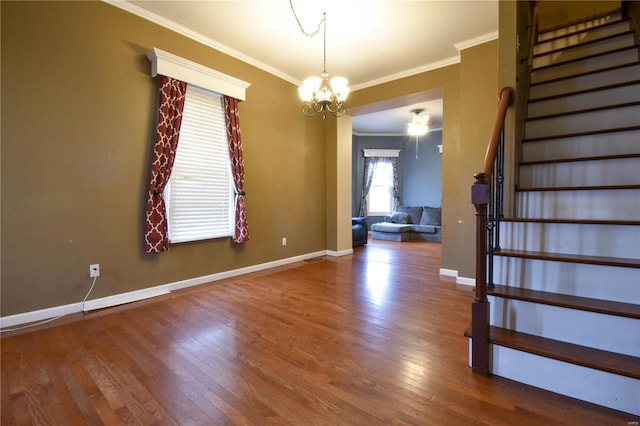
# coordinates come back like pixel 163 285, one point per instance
pixel 284 241
pixel 94 270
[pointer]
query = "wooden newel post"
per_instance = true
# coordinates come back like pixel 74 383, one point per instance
pixel 480 306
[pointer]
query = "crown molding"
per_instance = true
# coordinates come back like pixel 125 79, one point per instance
pixel 182 30
pixel 409 73
pixel 485 38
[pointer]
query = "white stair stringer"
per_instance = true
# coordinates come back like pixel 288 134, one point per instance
pixel 575 279
pixel 622 241
pixel 598 144
pixel 587 384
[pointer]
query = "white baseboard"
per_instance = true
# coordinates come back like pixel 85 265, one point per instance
pixel 471 282
pixel 133 296
pixel 339 253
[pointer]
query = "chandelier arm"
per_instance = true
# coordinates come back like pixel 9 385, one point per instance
pixel 309 111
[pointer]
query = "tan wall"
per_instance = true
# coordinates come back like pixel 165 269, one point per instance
pixel 552 13
pixel 78 122
pixel 77 130
pixel 470 102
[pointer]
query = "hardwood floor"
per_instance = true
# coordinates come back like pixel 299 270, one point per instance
pixel 369 339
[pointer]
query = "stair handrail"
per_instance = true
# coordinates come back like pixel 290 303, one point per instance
pixel 533 31
pixel 486 196
pixel 505 99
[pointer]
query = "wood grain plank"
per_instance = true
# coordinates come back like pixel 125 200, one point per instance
pixel 366 339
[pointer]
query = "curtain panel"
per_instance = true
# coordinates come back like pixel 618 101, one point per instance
pixel 171 105
pixel 395 189
pixel 236 156
pixel 369 165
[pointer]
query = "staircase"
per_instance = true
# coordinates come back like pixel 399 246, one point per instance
pixel 565 309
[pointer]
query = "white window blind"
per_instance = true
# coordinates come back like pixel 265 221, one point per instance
pixel 199 194
pixel 380 200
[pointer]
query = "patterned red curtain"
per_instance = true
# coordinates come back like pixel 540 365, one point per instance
pixel 171 104
pixel 232 121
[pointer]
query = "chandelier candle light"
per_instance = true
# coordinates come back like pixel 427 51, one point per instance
pixel 320 94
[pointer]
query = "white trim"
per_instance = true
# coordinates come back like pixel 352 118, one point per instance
pixel 182 30
pixel 408 73
pixel 133 296
pixel 333 253
pixel 168 64
pixel 471 282
pixel 403 134
pixel 485 38
pixel 381 152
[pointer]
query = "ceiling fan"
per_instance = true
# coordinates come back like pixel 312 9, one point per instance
pixel 418 126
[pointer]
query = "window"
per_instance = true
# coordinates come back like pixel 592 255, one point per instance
pixel 380 198
pixel 199 195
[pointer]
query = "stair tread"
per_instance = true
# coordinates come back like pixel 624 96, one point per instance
pixel 609 307
pixel 611 362
pixel 569 257
pixel 572 221
pixel 582 58
pixel 577 134
pixel 582 43
pixel 614 15
pixel 580 159
pixel 585 91
pixel 585 73
pixel 583 111
pixel 577 188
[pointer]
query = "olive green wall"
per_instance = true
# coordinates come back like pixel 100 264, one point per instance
pixel 78 123
pixel 78 110
pixel 552 13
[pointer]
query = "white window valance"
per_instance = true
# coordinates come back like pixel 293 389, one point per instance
pixel 381 152
pixel 173 66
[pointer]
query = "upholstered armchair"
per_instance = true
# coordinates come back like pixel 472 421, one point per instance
pixel 360 231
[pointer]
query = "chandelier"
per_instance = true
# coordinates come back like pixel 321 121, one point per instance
pixel 321 94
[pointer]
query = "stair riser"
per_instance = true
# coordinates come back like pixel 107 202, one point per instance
pixel 586 384
pixel 629 56
pixel 583 26
pixel 590 240
pixel 617 143
pixel 597 99
pixel 573 39
pixel 619 171
pixel 579 52
pixel 585 82
pixel 613 283
pixel 606 332
pixel 583 122
pixel 622 204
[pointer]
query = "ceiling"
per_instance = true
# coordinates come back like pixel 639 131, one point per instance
pixel 368 41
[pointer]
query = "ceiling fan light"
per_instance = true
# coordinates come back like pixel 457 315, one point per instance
pixel 417 129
